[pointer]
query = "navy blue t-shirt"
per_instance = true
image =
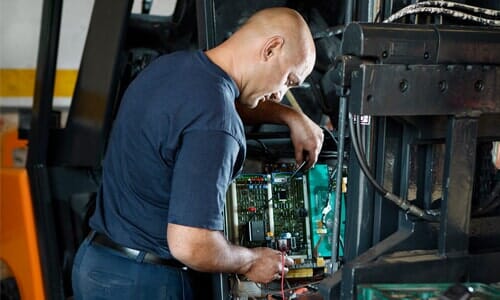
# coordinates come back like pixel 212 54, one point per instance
pixel 175 146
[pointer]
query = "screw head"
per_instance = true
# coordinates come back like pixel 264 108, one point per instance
pixel 443 86
pixel 479 86
pixel 403 85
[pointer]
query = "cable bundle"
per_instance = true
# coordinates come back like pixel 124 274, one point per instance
pixel 453 9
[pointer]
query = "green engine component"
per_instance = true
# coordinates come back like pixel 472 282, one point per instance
pixel 321 210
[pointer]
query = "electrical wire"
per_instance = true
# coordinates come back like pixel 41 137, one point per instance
pixel 291 289
pixel 283 275
pixel 455 5
pixel 332 177
pixel 442 11
pixel 330 134
pixel 404 204
pixel 264 147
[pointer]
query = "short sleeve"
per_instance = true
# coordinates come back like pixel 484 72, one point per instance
pixel 203 170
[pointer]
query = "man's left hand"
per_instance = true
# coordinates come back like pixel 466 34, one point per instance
pixel 307 138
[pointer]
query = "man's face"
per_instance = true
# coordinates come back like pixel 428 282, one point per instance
pixel 275 76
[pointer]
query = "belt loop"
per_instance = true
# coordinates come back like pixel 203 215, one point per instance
pixel 140 256
pixel 90 237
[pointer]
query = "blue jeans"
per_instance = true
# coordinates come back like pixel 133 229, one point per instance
pixel 103 273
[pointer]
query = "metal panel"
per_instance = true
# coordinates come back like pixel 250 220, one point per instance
pixel 384 90
pixel 422 44
pixel 390 43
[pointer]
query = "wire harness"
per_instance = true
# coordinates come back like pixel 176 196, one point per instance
pixel 453 9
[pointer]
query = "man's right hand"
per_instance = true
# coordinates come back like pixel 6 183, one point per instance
pixel 268 265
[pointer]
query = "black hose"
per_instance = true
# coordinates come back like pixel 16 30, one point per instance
pixel 405 205
pixel 360 139
pixel 361 160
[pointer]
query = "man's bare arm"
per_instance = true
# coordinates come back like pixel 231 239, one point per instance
pixel 307 136
pixel 208 251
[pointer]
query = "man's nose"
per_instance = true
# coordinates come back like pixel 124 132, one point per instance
pixel 276 96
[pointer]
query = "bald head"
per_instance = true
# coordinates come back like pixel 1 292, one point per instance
pixel 272 51
pixel 279 21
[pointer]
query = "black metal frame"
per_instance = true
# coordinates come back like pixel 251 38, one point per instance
pixel 38 149
pixel 61 175
pixel 383 73
pixel 96 91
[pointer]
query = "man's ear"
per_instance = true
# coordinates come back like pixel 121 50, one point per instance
pixel 272 47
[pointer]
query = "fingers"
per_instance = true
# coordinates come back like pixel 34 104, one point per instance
pixel 271 265
pixel 281 268
pixel 311 161
pixel 299 155
pixel 307 138
pixel 309 150
pixel 280 273
pixel 287 263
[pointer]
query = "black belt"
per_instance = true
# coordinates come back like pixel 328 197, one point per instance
pixel 151 258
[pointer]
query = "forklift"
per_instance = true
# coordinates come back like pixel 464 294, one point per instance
pixel 410 88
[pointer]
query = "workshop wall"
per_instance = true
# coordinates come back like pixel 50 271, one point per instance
pixel 19 37
pixel 19 32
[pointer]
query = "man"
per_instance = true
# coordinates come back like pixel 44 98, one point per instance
pixel 176 144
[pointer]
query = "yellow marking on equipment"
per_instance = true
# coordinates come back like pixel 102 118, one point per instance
pixel 21 82
pixel 300 273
